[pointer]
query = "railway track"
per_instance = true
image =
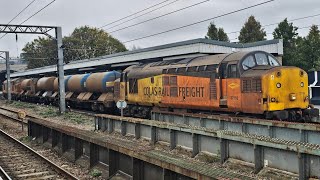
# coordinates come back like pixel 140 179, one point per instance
pixel 3 174
pixel 12 114
pixel 21 162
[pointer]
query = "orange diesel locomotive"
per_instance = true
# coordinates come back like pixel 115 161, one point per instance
pixel 240 82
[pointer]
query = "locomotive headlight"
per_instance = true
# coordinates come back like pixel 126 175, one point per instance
pixel 292 97
pixel 273 99
pixel 301 84
pixel 278 85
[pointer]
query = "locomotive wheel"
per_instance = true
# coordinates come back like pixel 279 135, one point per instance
pixel 41 101
pixel 101 108
pixel 94 107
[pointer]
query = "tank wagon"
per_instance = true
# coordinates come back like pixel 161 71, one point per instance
pixel 242 82
pixel 15 87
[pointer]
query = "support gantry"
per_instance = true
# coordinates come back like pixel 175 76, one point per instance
pixel 32 29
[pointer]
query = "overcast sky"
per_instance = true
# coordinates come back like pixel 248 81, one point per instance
pixel 74 13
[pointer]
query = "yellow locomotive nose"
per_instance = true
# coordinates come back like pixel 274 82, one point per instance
pixel 285 88
pixel 292 96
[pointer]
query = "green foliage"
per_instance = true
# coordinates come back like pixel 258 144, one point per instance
pixel 308 50
pixel 288 33
pixel 303 52
pixel 207 158
pixel 215 33
pixel 222 35
pixel 40 52
pixel 251 31
pixel 19 104
pixel 25 139
pixel 95 173
pixel 48 112
pixel 84 43
pixel 75 117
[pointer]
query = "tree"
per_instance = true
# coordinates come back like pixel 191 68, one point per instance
pixel 215 33
pixel 84 43
pixel 222 36
pixel 288 33
pixel 309 50
pixel 251 31
pixel 40 52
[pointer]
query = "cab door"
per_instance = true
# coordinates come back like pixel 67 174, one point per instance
pixel 222 85
pixel 233 87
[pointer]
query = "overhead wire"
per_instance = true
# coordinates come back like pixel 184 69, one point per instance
pixel 32 16
pixel 151 19
pixel 269 33
pixel 291 20
pixel 134 13
pixel 143 14
pixel 21 11
pixel 38 11
pixel 17 16
pixel 198 22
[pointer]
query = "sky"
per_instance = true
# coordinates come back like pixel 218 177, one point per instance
pixel 70 14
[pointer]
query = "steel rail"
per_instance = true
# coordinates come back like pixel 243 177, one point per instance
pixel 52 164
pixel 25 122
pixel 4 175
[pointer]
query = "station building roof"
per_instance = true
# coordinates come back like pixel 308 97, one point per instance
pixel 178 50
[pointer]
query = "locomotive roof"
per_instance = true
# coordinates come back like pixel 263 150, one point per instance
pixel 156 68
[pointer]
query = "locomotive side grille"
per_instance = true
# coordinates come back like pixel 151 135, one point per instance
pixel 253 85
pixel 192 69
pixel 117 89
pixel 165 80
pixel 181 70
pixel 213 89
pixel 172 71
pixel 246 85
pixel 173 92
pixel 173 81
pixel 211 68
pixel 201 68
pixel 256 85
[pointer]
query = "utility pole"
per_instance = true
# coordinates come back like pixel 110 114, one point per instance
pixel 8 76
pixel 8 84
pixel 62 100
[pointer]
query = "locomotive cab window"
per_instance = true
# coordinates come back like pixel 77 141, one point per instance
pixel 133 86
pixel 261 59
pixel 248 63
pixel 273 61
pixel 232 71
pixel 223 70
